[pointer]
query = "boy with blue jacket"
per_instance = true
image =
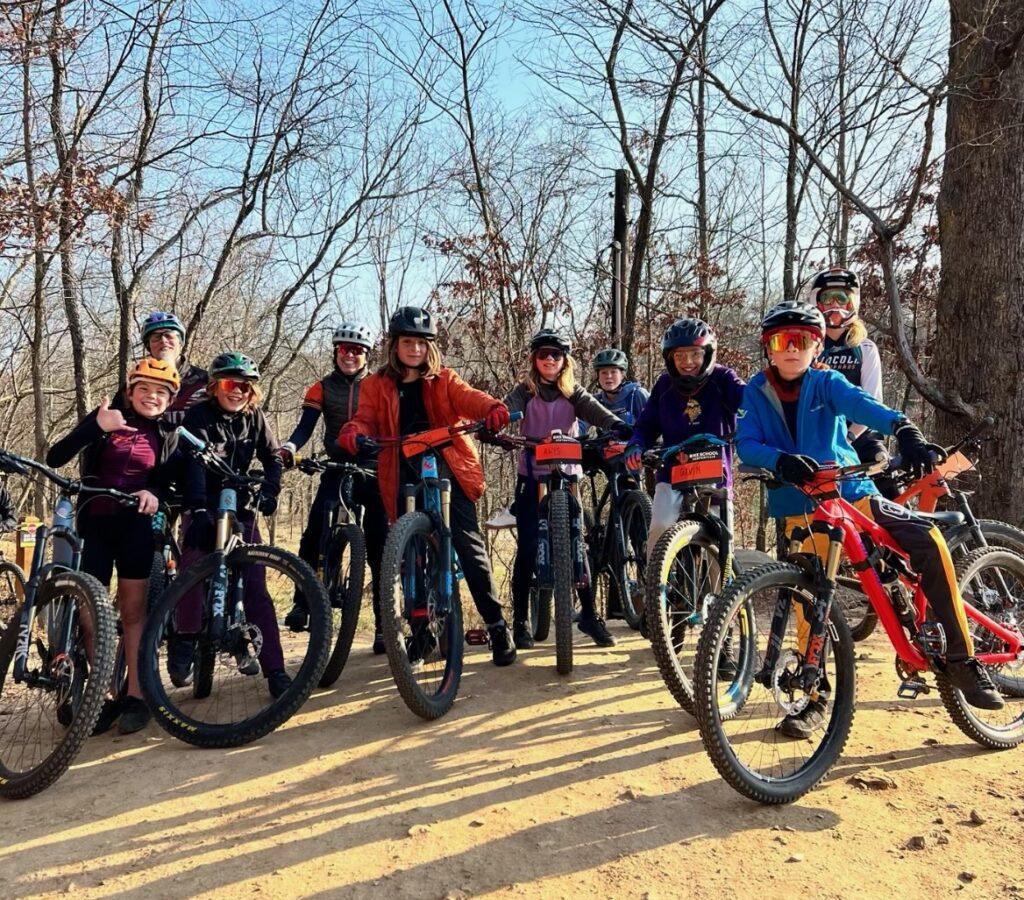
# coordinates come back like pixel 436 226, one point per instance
pixel 794 414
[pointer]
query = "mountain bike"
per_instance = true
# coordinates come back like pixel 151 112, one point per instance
pixel 617 524
pixel 961 529
pixel 691 561
pixel 420 610
pixel 341 562
pixel 563 565
pixel 57 651
pixel 793 647
pixel 219 605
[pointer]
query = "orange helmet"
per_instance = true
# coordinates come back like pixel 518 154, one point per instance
pixel 157 370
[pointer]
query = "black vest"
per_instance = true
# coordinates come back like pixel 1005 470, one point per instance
pixel 341 399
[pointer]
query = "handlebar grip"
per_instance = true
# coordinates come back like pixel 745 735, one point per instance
pixel 515 416
pixel 979 429
pixel 185 435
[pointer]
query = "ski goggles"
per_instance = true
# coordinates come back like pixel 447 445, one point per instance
pixel 801 338
pixel 227 385
pixel 835 299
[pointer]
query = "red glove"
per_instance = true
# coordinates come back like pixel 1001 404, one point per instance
pixel 497 418
pixel 347 440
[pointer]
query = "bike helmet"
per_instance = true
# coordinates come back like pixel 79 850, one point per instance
pixel 689 333
pixel 226 365
pixel 838 280
pixel 161 321
pixel 412 321
pixel 157 370
pixel 548 337
pixel 611 357
pixel 793 314
pixel 352 333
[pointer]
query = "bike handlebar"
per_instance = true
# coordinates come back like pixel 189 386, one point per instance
pixel 201 451
pixel 12 462
pixel 313 465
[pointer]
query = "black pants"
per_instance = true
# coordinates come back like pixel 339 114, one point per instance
pixel 868 447
pixel 527 514
pixel 375 526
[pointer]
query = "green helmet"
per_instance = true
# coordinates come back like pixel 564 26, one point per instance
pixel 227 364
pixel 611 357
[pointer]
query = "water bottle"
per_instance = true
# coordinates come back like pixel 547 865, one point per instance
pixel 63 516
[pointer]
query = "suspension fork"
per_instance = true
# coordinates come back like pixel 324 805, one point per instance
pixel 580 565
pixel 544 574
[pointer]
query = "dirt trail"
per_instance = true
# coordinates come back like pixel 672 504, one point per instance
pixel 533 786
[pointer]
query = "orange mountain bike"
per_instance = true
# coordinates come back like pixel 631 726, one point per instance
pixel 792 646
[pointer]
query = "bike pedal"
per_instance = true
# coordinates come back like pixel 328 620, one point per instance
pixel 909 689
pixel 478 637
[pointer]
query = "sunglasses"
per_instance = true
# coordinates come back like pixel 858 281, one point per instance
pixel 350 349
pixel 169 336
pixel 688 356
pixel 549 353
pixel 227 385
pixel 777 341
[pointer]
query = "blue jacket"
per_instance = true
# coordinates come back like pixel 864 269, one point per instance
pixel 628 403
pixel 827 401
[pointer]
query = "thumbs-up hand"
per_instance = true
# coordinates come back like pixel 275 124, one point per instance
pixel 111 419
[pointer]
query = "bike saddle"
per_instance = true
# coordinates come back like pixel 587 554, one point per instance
pixel 941 518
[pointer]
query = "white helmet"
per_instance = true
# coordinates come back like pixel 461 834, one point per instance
pixel 352 333
pixel 835 280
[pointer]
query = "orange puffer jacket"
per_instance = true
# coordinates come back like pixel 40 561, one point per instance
pixel 449 401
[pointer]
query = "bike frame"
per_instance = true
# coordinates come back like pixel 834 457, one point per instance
pixel 844 525
pixel 434 494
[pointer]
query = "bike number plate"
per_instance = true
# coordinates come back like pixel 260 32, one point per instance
pixel 563 451
pixel 698 467
pixel 414 445
pixel 614 449
pixel 955 465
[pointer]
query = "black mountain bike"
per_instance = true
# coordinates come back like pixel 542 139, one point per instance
pixel 56 652
pixel 341 563
pixel 227 703
pixel 617 525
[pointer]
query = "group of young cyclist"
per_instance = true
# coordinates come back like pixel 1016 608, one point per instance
pixel 817 398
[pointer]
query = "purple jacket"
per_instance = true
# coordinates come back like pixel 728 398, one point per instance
pixel 674 416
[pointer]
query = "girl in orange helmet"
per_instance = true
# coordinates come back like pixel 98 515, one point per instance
pixel 125 449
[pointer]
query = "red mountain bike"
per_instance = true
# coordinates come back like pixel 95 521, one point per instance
pixel 792 646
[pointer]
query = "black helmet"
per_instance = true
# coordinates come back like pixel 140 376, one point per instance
pixel 689 333
pixel 793 314
pixel 548 337
pixel 232 363
pixel 413 321
pixel 611 357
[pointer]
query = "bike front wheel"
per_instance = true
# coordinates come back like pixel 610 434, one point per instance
pixel 251 679
pixel 47 717
pixel 746 719
pixel 992 581
pixel 683 577
pixel 344 572
pixel 422 631
pixel 561 570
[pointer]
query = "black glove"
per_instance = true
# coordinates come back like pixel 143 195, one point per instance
pixel 795 468
pixel 622 431
pixel 201 532
pixel 266 504
pixel 917 456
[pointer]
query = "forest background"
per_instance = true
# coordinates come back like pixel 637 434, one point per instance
pixel 268 170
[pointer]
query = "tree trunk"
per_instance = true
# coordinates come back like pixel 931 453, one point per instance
pixel 981 222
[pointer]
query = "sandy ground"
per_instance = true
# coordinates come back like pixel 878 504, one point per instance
pixel 533 786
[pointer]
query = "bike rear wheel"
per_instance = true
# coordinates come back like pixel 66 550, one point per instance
pixel 738 717
pixel 344 572
pixel 627 584
pixel 422 635
pixel 42 727
pixel 991 580
pixel 683 577
pixel 541 602
pixel 228 703
pixel 561 570
pixel 12 591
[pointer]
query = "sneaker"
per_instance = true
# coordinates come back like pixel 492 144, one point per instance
pixel 109 712
pixel 278 681
pixel 727 669
pixel 247 665
pixel 180 662
pixel 598 631
pixel 297 619
pixel 503 518
pixel 802 725
pixel 503 650
pixel 134 716
pixel 971 678
pixel 378 644
pixel 522 635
